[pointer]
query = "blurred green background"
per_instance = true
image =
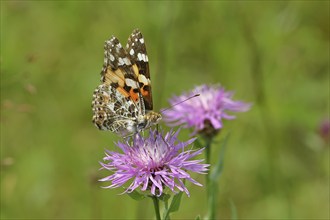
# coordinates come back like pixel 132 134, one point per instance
pixel 273 54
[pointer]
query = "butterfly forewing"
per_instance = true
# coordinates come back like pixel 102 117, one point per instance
pixel 137 53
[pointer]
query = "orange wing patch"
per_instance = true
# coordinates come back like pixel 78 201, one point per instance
pixel 144 92
pixel 145 85
pixel 134 95
pixel 132 87
pixel 122 80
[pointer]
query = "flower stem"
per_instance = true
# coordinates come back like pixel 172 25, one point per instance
pixel 208 158
pixel 211 196
pixel 156 206
pixel 166 208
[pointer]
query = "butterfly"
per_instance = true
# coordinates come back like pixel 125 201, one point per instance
pixel 122 103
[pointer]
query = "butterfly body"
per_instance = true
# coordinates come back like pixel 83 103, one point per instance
pixel 123 102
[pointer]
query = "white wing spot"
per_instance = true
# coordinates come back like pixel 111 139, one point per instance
pixel 112 58
pixel 143 79
pixel 118 47
pixel 127 61
pixel 131 52
pixel 121 61
pixel 143 57
pixel 131 83
pixel 141 40
pixel 140 56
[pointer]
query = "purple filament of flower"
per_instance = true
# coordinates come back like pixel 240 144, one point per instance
pixel 153 163
pixel 211 105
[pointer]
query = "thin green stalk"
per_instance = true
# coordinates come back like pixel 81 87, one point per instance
pixel 156 206
pixel 209 183
pixel 166 208
pixel 207 177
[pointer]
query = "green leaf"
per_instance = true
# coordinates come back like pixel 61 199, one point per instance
pixel 218 167
pixel 164 197
pixel 175 204
pixel 136 195
pixel 198 217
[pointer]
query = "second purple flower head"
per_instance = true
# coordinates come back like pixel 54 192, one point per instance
pixel 204 113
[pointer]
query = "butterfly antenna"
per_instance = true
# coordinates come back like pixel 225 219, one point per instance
pixel 180 102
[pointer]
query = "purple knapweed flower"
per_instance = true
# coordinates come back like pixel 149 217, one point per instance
pixel 153 163
pixel 205 112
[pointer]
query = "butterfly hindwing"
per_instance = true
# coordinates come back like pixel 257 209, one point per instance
pixel 113 111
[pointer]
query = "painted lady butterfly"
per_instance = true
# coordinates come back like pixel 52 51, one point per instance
pixel 123 102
